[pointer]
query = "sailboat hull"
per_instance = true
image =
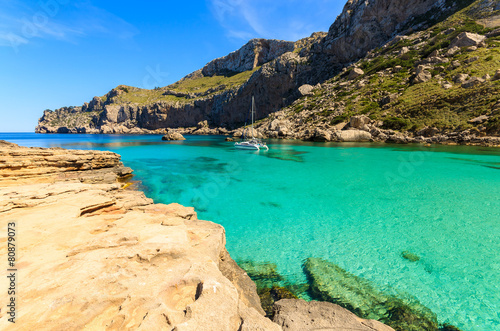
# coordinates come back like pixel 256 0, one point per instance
pixel 245 145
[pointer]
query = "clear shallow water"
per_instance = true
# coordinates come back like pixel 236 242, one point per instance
pixel 357 205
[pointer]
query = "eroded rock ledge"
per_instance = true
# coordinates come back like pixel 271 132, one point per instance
pixel 94 255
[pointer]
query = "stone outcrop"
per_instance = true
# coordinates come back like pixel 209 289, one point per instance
pixel 299 315
pixel 467 39
pixel 41 164
pixel 253 54
pixel 306 90
pixel 354 135
pixel 95 255
pixel 331 283
pixel 173 135
pixel 363 25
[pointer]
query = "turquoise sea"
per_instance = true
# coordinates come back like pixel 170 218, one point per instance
pixel 357 205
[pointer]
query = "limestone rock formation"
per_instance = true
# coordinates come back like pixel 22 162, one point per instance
pixel 355 73
pixel 285 66
pixel 467 39
pixel 363 25
pixel 306 90
pixel 173 135
pixel 98 256
pixel 299 315
pixel 253 54
pixel 354 135
pixel 331 283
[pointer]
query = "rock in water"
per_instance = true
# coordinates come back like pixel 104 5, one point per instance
pixel 410 256
pixel 299 315
pixel 173 136
pixel 331 283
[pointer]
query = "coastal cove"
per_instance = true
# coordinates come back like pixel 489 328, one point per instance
pixel 360 206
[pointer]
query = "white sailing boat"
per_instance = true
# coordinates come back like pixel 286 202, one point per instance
pixel 254 143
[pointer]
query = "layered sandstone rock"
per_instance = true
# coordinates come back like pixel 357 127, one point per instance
pixel 98 256
pixel 299 315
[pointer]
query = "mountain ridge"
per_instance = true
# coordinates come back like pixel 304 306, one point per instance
pixel 276 72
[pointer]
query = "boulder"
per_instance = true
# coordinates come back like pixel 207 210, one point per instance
pixel 460 78
pixel 397 68
pixel 452 51
pixel 422 75
pixel 428 131
pixel 467 39
pixel 479 120
pixel 306 90
pixel 299 315
pixel 321 135
pixel 497 75
pixel 354 136
pixel 280 126
pixel 248 132
pixel 473 81
pixel 172 135
pixel 494 33
pixel 355 73
pixel 447 85
pixel 472 59
pixel 388 99
pixel 359 121
pixel 454 64
pixel 202 124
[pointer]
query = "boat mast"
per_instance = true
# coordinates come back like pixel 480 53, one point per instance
pixel 253 101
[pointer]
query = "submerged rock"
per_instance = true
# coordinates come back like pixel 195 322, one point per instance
pixel 173 136
pixel 271 286
pixel 410 256
pixel 269 296
pixel 299 315
pixel 265 274
pixel 331 283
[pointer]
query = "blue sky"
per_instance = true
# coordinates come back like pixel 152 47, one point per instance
pixel 56 53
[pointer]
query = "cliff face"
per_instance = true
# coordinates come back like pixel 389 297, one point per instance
pixel 255 53
pixel 439 85
pixel 271 70
pixel 364 25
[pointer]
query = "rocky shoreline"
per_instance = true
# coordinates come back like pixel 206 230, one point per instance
pixel 93 254
pixel 358 129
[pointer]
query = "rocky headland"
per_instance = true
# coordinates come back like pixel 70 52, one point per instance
pixel 94 254
pixel 391 71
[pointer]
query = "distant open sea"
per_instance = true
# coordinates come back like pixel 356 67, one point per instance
pixel 357 205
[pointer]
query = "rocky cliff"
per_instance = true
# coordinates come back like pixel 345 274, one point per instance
pixel 438 85
pixel 271 70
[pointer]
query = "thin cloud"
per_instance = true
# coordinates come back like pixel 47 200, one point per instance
pixel 21 24
pixel 281 19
